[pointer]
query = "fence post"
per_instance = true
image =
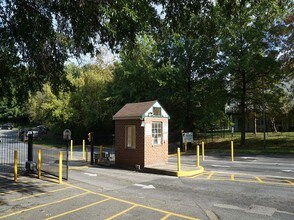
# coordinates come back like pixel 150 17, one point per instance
pixel 197 156
pixel 232 151
pixel 71 146
pixel 86 154
pixel 100 153
pixel 39 162
pixel 179 158
pixel 15 165
pixel 60 167
pixel 92 147
pixel 30 146
pixel 202 150
pixel 83 149
pixel 185 144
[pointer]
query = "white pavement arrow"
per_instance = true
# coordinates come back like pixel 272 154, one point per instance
pixel 288 171
pixel 145 186
pixel 91 174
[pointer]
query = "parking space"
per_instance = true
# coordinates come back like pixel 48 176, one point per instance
pixel 46 199
pixel 246 178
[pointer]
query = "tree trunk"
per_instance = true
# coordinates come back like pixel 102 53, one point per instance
pixel 243 112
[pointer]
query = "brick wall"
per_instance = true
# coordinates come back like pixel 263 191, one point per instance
pixel 156 154
pixel 124 156
pixel 145 153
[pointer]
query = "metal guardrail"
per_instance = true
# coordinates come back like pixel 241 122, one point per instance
pixel 8 144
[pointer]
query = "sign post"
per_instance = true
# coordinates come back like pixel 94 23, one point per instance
pixel 67 137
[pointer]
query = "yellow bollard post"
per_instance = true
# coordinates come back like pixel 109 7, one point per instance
pixel 100 153
pixel 60 167
pixel 71 148
pixel 232 151
pixel 202 143
pixel 86 154
pixel 15 165
pixel 197 156
pixel 179 159
pixel 185 144
pixel 39 163
pixel 83 149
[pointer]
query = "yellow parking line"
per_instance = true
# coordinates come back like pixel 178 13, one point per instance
pixel 134 204
pixel 258 179
pixel 166 216
pixel 78 209
pixel 122 212
pixel 290 182
pixel 232 177
pixel 200 174
pixel 43 205
pixel 210 175
pixel 39 194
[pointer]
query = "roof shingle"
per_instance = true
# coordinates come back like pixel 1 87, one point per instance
pixel 133 110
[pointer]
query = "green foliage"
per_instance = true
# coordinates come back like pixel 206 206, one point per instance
pixel 44 107
pixel 88 102
pixel 37 37
pixel 247 49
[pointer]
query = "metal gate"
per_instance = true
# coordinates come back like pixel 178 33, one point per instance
pixel 50 160
pixel 9 144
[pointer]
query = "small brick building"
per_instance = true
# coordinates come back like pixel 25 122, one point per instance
pixel 141 134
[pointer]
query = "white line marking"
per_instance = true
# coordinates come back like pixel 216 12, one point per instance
pixel 220 166
pixel 145 186
pixel 287 171
pixel 91 174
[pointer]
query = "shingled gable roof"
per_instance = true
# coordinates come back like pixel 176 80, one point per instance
pixel 133 110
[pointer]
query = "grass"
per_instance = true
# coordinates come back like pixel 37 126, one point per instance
pixel 276 143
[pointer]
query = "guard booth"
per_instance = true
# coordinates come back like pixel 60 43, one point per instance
pixel 141 135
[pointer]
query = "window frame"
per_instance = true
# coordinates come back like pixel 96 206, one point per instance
pixel 133 137
pixel 155 110
pixel 158 136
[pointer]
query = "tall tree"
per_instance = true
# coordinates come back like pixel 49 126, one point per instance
pixel 245 26
pixel 189 42
pixel 37 37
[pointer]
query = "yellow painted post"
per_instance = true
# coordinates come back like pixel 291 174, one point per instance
pixel 100 153
pixel 197 156
pixel 185 146
pixel 232 151
pixel 202 143
pixel 83 149
pixel 86 154
pixel 60 167
pixel 39 162
pixel 71 147
pixel 179 159
pixel 15 165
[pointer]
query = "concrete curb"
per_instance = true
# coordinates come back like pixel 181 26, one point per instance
pixel 182 173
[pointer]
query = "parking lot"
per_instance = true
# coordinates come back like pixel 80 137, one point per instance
pixel 46 199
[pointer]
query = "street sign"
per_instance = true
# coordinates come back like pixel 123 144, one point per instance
pixel 66 134
pixel 188 137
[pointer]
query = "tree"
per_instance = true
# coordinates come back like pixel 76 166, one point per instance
pixel 37 37
pixel 89 101
pixel 245 26
pixel 44 107
pixel 189 43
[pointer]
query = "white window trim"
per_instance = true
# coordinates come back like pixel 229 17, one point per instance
pixel 161 138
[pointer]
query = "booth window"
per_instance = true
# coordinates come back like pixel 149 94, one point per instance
pixel 157 111
pixel 130 136
pixel 156 133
